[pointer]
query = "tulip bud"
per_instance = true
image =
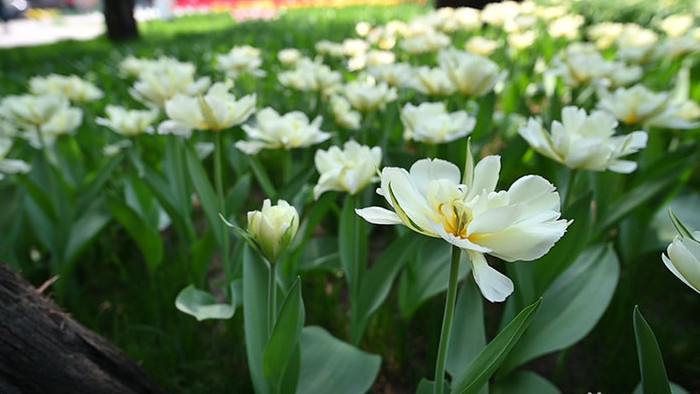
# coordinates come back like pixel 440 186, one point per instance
pixel 273 228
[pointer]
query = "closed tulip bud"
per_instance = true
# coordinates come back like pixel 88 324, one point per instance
pixel 273 228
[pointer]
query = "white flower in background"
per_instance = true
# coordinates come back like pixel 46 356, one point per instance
pixel 363 28
pixel 432 81
pixel 482 46
pixel 367 97
pixel 547 13
pixel 133 66
pixel 65 121
pixel 155 86
pixel 497 14
pixel 330 48
pixel 343 113
pixel 428 42
pixel 274 131
pixel 71 86
pixel 521 223
pixel 354 47
pixel 566 27
pixel 383 37
pixel 27 111
pixel 639 105
pixel 677 24
pixel 468 18
pixel 604 34
pixel 432 124
pixel 683 258
pixel 10 166
pixel 308 75
pixel 273 228
pixel 289 56
pixel 348 170
pixel 520 41
pixel 520 23
pixel 675 47
pixel 636 44
pixel 239 60
pixel 581 64
pixel 129 122
pixel 216 110
pixel 472 75
pixel 397 74
pixel 585 141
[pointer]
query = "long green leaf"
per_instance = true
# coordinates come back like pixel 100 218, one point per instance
pixel 329 365
pixel 206 193
pixel 147 238
pixel 285 336
pixel 524 382
pixel 352 246
pixel 255 316
pixel 491 357
pixel 468 335
pixel 571 306
pixel 651 363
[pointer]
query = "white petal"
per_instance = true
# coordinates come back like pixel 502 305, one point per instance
pixel 485 175
pixel 494 286
pixel 426 170
pixel 523 242
pixel 379 215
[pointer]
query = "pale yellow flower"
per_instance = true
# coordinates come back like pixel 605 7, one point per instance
pixel 432 124
pixel 274 131
pixel 348 170
pixel 367 97
pixel 239 60
pixel 71 86
pixel 677 25
pixel 273 228
pixel 432 81
pixel 343 114
pixel 472 75
pixel 482 46
pixel 129 122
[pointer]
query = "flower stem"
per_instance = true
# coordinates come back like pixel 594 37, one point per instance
pixel 447 321
pixel 271 300
pixel 568 197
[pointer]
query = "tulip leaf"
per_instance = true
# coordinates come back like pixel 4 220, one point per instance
pixel 524 382
pixel 426 275
pixel 329 365
pixel 94 184
pixel 651 363
pixel 675 389
pixel 377 281
pixel 261 175
pixel 321 253
pixel 243 234
pixel 426 386
pixel 162 190
pixel 206 193
pixel 146 237
pixel 84 229
pixel 490 358
pixel 279 350
pixel 682 230
pixel 202 304
pixel 255 275
pixel 571 306
pixel 468 336
pixel 352 246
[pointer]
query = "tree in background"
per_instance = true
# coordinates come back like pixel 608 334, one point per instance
pixel 119 15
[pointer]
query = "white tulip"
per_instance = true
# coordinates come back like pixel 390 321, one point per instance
pixel 128 122
pixel 273 228
pixel 683 258
pixel 71 86
pixel 472 75
pixel 216 110
pixel 348 170
pixel 521 223
pixel 368 97
pixel 585 141
pixel 274 131
pixel 432 124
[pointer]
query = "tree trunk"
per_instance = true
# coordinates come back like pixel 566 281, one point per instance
pixel 480 4
pixel 119 16
pixel 43 350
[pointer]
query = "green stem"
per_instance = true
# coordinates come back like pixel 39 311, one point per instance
pixel 271 300
pixel 447 321
pixel 219 179
pixel 569 195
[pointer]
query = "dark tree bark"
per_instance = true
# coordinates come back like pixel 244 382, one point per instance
pixel 480 4
pixel 43 350
pixel 119 16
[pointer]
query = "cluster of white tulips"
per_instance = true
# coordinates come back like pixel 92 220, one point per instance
pixel 440 111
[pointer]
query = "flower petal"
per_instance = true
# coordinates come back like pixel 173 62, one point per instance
pixel 379 215
pixel 494 286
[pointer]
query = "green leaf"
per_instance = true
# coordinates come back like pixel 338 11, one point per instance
pixel 261 175
pixel 255 316
pixel 84 229
pixel 285 335
pixel 491 357
pixel 321 253
pixel 426 275
pixel 239 194
pixel 201 254
pixel 524 382
pixel 682 230
pixel 468 336
pixel 426 386
pixel 571 306
pixel 243 234
pixel 377 281
pixel 675 389
pixel 147 238
pixel 352 246
pixel 206 193
pixel 329 365
pixel 651 363
pixel 94 185
pixel 202 305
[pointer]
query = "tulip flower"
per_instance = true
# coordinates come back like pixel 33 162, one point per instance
pixel 10 166
pixel 432 81
pixel 427 42
pixel 349 170
pixel 482 46
pixel 128 122
pixel 521 223
pixel 432 124
pixel 71 86
pixel 239 60
pixel 368 97
pixel 683 258
pixel 273 228
pixel 585 141
pixel 273 131
pixel 216 110
pixel 639 105
pixel 472 75
pixel 156 85
pixel 343 113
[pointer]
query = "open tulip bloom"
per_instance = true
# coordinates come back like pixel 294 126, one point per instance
pixel 683 258
pixel 521 223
